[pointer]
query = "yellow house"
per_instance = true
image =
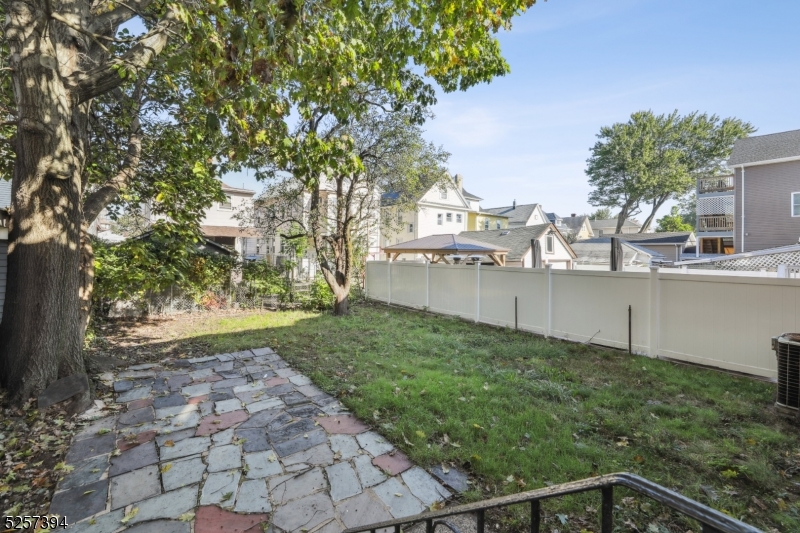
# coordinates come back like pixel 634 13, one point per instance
pixel 481 221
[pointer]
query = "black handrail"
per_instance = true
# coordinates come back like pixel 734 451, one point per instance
pixel 712 520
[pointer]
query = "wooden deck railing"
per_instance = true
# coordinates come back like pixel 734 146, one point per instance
pixel 717 184
pixel 715 223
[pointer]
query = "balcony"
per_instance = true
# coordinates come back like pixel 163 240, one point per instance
pixel 716 184
pixel 715 223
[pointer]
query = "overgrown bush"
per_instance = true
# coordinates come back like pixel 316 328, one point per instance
pixel 128 270
pixel 264 278
pixel 320 296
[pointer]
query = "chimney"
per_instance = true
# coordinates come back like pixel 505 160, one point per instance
pixel 459 179
pixel 515 203
pixel 573 215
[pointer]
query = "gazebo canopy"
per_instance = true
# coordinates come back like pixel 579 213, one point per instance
pixel 440 246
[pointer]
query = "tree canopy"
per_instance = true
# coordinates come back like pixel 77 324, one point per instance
pixel 334 199
pixel 234 72
pixel 673 222
pixel 653 158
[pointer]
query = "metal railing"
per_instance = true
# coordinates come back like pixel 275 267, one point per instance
pixel 715 223
pixel 712 520
pixel 717 184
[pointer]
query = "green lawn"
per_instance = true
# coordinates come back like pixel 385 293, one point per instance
pixel 521 412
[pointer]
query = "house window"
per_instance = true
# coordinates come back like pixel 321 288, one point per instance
pixel 486 224
pixel 449 217
pixel 439 219
pixel 458 218
pixel 227 204
pixel 550 244
pixel 497 224
pixel 443 194
pixel 796 204
pixel 558 222
pixel 399 218
pixel 411 228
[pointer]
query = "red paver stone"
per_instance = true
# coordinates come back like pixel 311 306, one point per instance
pixel 141 438
pixel 138 404
pixel 209 425
pixel 212 519
pixel 346 424
pixel 272 382
pixel 197 399
pixel 208 379
pixel 394 464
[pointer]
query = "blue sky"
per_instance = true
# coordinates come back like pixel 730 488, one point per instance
pixel 577 65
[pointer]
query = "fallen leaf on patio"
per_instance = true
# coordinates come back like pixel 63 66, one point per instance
pixel 398 494
pixel 186 517
pixel 337 455
pixel 128 517
pixel 213 422
pixel 103 431
pixel 305 436
pixel 227 496
pixel 272 458
pixel 445 470
pixel 169 444
pixel 86 493
pixel 436 506
pixel 165 468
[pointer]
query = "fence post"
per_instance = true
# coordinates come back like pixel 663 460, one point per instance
pixel 389 281
pixel 427 286
pixel 478 294
pixel 652 341
pixel 548 300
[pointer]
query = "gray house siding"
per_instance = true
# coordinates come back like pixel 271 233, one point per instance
pixel 3 271
pixel 768 220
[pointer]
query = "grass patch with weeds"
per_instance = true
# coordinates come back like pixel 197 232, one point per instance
pixel 522 412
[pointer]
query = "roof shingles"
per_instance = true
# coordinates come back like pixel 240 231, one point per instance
pixel 518 240
pixel 765 148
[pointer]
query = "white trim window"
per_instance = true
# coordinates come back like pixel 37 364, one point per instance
pixel 449 217
pixel 550 244
pixel 796 204
pixel 439 219
pixel 458 218
pixel 497 224
pixel 486 225
pixel 411 228
pixel 443 194
pixel 227 204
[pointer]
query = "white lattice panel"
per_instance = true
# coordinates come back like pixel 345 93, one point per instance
pixel 717 205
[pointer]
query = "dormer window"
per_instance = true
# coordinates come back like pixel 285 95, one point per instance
pixel 228 203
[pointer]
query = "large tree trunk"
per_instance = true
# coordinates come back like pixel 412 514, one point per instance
pixel 40 340
pixel 657 203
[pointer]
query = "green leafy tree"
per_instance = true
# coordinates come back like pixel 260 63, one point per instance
pixel 673 222
pixel 333 199
pixel 603 213
pixel 244 68
pixel 653 158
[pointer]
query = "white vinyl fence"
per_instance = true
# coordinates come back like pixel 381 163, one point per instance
pixel 721 321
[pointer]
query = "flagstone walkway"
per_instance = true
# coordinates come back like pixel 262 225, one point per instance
pixel 236 443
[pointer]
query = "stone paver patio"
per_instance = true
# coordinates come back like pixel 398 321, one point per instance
pixel 237 443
